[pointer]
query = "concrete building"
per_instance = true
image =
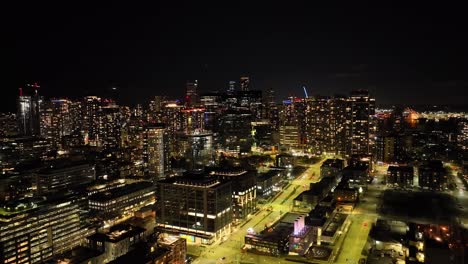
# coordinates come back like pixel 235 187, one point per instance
pixel 244 190
pixel 63 175
pixel 120 240
pixel 35 230
pixel 122 200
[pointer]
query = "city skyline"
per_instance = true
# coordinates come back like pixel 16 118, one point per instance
pixel 216 133
pixel 398 54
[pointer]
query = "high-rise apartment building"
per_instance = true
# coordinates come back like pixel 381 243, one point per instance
pixel 156 151
pixel 56 121
pixel 109 135
pixel 362 108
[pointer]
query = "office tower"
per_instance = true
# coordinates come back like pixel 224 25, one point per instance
pixel 289 136
pixel 244 83
pixel 235 130
pixel 361 109
pixel 63 175
pixel 196 147
pixel 271 110
pixel 251 100
pixel 197 207
pixel 262 132
pixel 244 186
pixel 29 105
pixel 34 230
pixel 156 151
pixel 193 119
pixel 232 87
pixel 211 102
pixel 122 200
pixel 91 106
pixel 191 93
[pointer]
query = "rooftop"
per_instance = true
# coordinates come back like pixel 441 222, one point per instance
pixel 118 233
pixel 120 191
pixel 194 180
pixel 401 168
pixel 333 163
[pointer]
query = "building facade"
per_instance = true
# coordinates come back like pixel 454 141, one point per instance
pixel 197 207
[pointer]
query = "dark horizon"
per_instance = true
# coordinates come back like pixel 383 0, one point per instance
pixel 412 55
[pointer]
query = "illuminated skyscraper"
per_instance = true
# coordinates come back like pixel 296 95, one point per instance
pixel 318 123
pixel 156 151
pixel 109 125
pixel 191 94
pixel 292 115
pixel 90 119
pixel 232 87
pixel 361 107
pixel 29 110
pixel 56 121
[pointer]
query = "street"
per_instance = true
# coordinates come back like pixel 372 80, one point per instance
pixel 231 248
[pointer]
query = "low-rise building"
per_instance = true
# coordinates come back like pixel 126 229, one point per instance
pixel 432 175
pixel 400 175
pixel 331 167
pixel 307 200
pixel 120 240
pixel 268 183
pixel 121 200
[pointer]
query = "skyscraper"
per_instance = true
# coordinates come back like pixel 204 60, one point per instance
pixel 109 125
pixel 29 110
pixel 245 83
pixel 191 94
pixel 156 151
pixel 362 107
pixel 90 118
pixel 56 121
pixel 232 87
pixel 318 123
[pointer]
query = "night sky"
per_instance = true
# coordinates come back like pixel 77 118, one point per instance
pixel 402 54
